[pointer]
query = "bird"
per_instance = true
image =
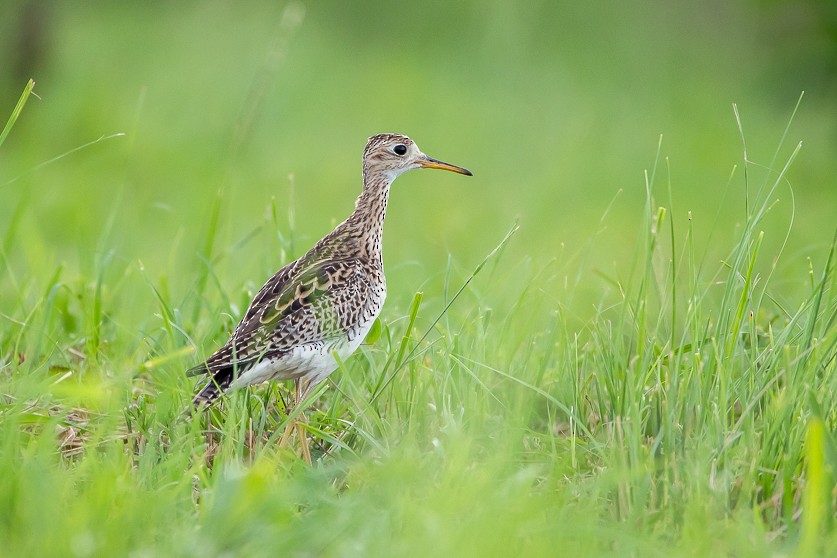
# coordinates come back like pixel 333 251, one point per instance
pixel 316 311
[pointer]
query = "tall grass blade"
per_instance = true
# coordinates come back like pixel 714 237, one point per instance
pixel 21 102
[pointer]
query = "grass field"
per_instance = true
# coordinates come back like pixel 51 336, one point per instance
pixel 618 338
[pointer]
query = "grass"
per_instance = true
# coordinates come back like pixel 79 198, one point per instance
pixel 689 413
pixel 645 367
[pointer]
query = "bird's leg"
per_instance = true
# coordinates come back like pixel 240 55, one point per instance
pixel 300 427
pixel 303 440
pixel 297 424
pixel 287 434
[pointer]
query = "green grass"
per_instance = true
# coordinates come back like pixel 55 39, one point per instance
pixel 575 357
pixel 690 414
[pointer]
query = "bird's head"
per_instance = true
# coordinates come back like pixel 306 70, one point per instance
pixel 394 154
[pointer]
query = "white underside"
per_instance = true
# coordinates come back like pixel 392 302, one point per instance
pixel 312 362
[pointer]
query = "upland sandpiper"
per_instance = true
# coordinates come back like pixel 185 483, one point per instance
pixel 319 308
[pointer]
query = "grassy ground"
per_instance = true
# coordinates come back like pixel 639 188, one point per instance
pixel 574 358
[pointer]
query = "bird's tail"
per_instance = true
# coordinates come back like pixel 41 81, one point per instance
pixel 218 383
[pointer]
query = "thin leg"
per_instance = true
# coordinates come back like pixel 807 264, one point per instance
pixel 300 429
pixel 303 440
pixel 287 434
pixel 297 425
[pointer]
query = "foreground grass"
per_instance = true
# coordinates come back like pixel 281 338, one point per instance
pixel 691 412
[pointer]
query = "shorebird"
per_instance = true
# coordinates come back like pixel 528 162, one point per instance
pixel 316 311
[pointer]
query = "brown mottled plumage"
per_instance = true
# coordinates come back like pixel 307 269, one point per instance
pixel 325 302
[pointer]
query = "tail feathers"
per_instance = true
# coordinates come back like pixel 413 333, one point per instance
pixel 215 386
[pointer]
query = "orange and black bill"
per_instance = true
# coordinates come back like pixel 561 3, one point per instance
pixel 428 163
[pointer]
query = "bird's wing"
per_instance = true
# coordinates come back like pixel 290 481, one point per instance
pixel 227 355
pixel 288 311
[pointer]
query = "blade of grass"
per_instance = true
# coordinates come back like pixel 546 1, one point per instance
pixel 65 154
pixel 816 496
pixel 21 102
pixel 470 278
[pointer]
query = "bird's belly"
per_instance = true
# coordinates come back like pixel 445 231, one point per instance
pixel 358 336
pixel 312 362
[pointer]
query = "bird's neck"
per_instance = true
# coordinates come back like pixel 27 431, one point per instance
pixel 370 210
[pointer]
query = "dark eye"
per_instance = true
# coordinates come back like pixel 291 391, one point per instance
pixel 399 149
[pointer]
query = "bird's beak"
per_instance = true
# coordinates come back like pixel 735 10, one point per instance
pixel 427 163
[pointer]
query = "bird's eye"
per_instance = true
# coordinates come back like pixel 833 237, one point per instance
pixel 399 149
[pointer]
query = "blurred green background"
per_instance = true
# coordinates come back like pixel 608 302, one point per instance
pixel 179 152
pixel 557 108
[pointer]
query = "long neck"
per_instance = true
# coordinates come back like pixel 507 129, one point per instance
pixel 370 210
